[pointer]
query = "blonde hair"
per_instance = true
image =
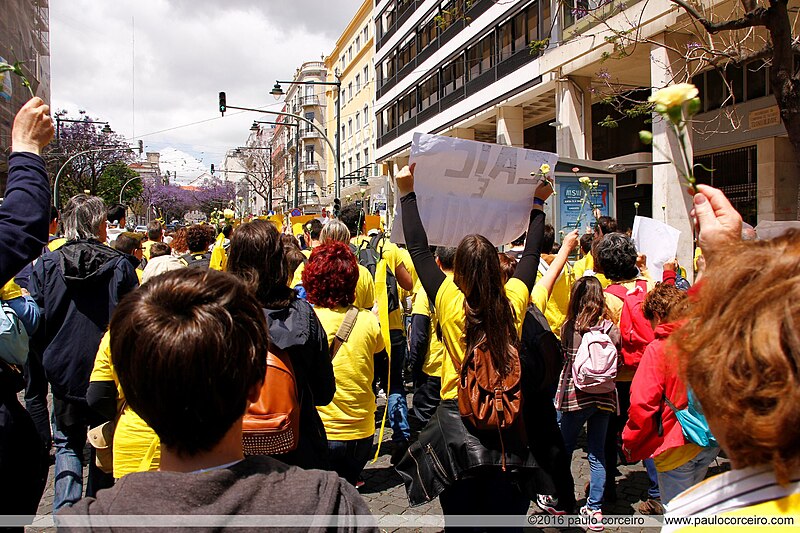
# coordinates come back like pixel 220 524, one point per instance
pixel 334 230
pixel 740 351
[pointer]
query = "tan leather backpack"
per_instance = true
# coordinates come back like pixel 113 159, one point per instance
pixel 272 424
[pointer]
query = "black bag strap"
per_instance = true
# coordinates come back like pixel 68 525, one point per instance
pixel 343 333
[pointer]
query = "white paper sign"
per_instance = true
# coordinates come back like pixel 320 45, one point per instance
pixel 658 241
pixel 465 187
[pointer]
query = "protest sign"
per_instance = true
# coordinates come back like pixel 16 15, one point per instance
pixel 658 241
pixel 465 187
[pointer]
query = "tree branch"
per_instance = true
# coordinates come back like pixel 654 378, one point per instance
pixel 752 18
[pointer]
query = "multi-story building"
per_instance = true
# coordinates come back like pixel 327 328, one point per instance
pixel 308 146
pixel 24 37
pixel 533 73
pixel 351 63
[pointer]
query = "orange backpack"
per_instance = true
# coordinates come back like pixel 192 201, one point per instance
pixel 272 424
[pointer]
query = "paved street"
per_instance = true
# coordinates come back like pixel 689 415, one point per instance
pixel 385 494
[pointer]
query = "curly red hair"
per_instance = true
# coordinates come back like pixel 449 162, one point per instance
pixel 331 275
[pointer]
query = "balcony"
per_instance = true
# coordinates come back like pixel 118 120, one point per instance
pixel 309 134
pixel 308 101
pixel 581 15
pixel 290 146
pixel 309 166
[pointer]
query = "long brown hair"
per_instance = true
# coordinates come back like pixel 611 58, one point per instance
pixel 256 255
pixel 587 305
pixel 488 313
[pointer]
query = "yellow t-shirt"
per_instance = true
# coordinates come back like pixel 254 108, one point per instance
pixel 55 244
pixel 587 263
pixel 450 308
pixel 133 438
pixel 393 256
pixel 432 365
pixel 365 287
pixel 10 291
pixel 558 304
pixel 146 248
pixel 675 457
pixel 351 413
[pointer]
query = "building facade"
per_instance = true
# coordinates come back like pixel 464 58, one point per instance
pixel 536 74
pixel 24 37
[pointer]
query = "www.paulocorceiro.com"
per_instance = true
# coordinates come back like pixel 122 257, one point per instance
pixel 546 520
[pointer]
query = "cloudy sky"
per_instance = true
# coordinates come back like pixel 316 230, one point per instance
pixel 153 68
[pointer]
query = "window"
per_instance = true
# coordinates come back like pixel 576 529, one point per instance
pixel 518 22
pixel 408 51
pixel 358 43
pixel 366 116
pixel 358 121
pixel 429 92
pixel 408 107
pixel 366 156
pixel 366 34
pixel 453 76
pixel 349 91
pixel 533 22
pixel 366 74
pixel 358 160
pixel 427 31
pixel 358 82
pixel 343 133
pixel 310 117
pixel 506 40
pixel 349 128
pixel 350 163
pixel 487 52
pixel 309 154
pixel 756 80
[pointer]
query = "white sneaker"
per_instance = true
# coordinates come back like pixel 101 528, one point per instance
pixel 548 504
pixel 595 518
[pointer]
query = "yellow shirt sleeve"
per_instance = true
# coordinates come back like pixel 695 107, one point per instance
pixel 365 289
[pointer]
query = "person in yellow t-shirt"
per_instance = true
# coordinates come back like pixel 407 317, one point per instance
pixel 585 265
pixel 558 303
pixel 136 445
pixel 496 312
pixel 426 352
pixel 330 280
pixel 155 233
pixel 390 370
pixel 311 234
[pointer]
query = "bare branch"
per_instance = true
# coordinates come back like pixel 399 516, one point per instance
pixel 754 17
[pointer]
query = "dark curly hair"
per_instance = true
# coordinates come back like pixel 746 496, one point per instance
pixel 331 275
pixel 664 302
pixel 353 218
pixel 198 238
pixel 615 256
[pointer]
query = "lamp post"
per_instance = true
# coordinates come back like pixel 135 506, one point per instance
pixel 106 128
pixel 277 92
pixel 56 191
pixel 126 184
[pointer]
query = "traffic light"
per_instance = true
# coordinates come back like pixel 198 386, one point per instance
pixel 141 147
pixel 223 106
pixel 337 206
pixel 212 169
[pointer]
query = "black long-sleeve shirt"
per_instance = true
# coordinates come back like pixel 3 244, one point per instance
pixel 431 276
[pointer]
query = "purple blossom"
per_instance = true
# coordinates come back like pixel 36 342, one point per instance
pixel 692 45
pixel 603 74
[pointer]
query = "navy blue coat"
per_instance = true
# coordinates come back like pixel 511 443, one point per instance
pixel 78 286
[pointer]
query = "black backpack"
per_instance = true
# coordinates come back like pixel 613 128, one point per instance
pixel 543 349
pixel 369 253
pixel 197 260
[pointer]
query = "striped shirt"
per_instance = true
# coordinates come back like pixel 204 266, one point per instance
pixel 568 397
pixel 752 491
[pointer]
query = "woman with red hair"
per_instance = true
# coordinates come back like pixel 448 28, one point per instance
pixel 330 279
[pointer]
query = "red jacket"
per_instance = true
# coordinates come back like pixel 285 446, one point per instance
pixel 655 378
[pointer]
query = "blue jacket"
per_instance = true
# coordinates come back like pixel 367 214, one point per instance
pixel 78 286
pixel 25 213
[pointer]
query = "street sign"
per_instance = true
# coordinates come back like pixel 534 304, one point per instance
pixel 296 212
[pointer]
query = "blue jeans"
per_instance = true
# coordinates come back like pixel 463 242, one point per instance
pixel 348 457
pixel 653 491
pixel 396 401
pixel 597 425
pixel 673 482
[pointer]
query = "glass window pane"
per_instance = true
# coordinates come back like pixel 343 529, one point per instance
pixel 533 22
pixel 735 77
pixel 506 40
pixel 715 89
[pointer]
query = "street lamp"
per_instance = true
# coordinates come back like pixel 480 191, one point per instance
pixel 277 92
pixel 106 128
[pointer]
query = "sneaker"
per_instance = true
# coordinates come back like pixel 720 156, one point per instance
pixel 651 507
pixel 359 484
pixel 594 517
pixel 549 504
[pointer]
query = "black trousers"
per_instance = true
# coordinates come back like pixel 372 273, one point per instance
pixel 426 397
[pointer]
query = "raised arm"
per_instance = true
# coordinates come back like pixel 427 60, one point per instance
pixel 529 261
pixel 430 275
pixel 548 281
pixel 25 213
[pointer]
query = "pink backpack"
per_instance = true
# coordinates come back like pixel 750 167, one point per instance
pixel 634 327
pixel 594 369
